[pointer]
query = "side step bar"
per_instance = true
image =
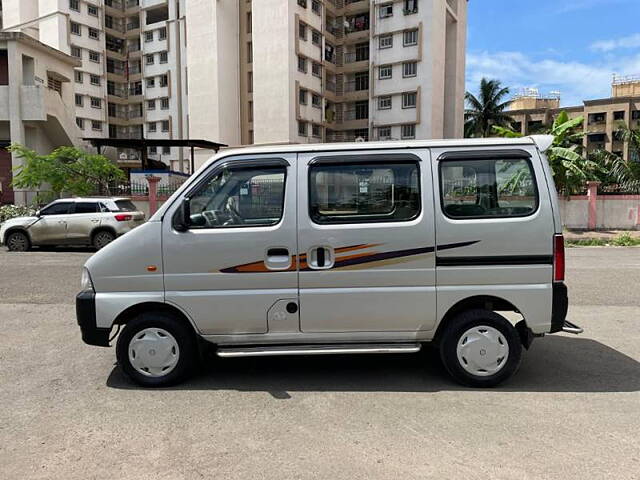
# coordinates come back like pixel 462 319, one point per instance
pixel 272 350
pixel 569 327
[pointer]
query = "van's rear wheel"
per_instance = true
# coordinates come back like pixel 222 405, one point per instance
pixel 480 348
pixel 156 350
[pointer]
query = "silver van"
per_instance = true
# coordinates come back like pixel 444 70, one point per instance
pixel 339 249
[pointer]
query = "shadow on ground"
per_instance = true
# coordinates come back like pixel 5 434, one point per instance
pixel 553 364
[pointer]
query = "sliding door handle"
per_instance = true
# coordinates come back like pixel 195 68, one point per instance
pixel 321 258
pixel 277 258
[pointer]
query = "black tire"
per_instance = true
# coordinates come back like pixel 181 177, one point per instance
pixel 102 238
pixel 18 242
pixel 183 335
pixel 461 325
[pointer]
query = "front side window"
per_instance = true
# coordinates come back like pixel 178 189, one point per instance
pixel 364 192
pixel 60 208
pixel 240 197
pixel 487 188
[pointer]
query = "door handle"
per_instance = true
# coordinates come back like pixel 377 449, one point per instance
pixel 61 221
pixel 277 258
pixel 321 258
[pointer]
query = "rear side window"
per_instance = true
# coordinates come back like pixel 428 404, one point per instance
pixel 487 188
pixel 364 192
pixel 86 207
pixel 126 206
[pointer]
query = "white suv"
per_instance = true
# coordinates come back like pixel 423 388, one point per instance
pixel 73 221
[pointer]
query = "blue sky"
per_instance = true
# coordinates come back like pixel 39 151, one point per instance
pixel 573 46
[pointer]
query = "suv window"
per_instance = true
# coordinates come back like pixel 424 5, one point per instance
pixel 487 188
pixel 240 197
pixel 86 207
pixel 364 192
pixel 59 208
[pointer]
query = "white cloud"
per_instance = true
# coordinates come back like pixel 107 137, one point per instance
pixel 631 41
pixel 576 81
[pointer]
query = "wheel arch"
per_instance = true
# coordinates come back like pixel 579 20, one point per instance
pixel 15 229
pixel 146 307
pixel 102 228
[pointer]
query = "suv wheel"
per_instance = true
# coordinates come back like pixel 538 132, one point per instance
pixel 102 239
pixel 18 242
pixel 480 348
pixel 156 350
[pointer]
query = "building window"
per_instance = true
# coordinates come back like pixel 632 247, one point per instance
pixel 386 10
pixel 149 59
pixel 385 71
pixel 164 103
pixel 302 64
pixel 78 76
pixel 249 21
pixel 408 130
pixel 96 102
pixel 410 37
pixel 385 41
pixel 409 69
pixel 94 56
pixel 302 3
pixel 76 52
pixel 316 69
pixel 152 127
pixel 75 28
pixel 302 129
pixel 74 5
pixel 166 150
pixel 384 103
pixel 249 52
pixel 302 96
pixel 315 130
pixel 316 38
pixel 93 33
pixel 80 123
pixel 79 100
pixel 148 36
pixel 384 133
pixel 618 115
pixel 96 125
pixel 162 33
pixel 95 80
pixel 151 104
pixel 250 111
pixel 410 6
pixel 153 150
pixel 316 7
pixel 92 10
pixel 164 80
pixel 164 57
pixel 151 82
pixel 302 31
pixel 409 99
pixel 316 100
pixel 165 125
pixel 249 82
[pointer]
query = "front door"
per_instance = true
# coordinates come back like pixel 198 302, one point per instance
pixel 234 271
pixel 51 227
pixel 366 242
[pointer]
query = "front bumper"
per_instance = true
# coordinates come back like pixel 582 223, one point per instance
pixel 86 315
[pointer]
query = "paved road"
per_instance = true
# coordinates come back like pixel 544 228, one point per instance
pixel 573 410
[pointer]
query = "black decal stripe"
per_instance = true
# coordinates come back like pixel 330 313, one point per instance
pixel 448 246
pixel 382 256
pixel 496 260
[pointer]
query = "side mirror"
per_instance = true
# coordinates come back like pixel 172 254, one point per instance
pixel 182 219
pixel 38 213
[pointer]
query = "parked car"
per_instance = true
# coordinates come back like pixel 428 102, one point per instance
pixel 93 221
pixel 339 249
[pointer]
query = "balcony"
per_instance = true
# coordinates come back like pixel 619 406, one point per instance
pixel 358 56
pixel 357 84
pixel 357 23
pixel 117 4
pixel 357 111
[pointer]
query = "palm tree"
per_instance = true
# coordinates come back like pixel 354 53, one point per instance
pixel 487 110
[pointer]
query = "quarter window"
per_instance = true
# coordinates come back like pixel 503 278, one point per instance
pixel 364 192
pixel 240 197
pixel 487 188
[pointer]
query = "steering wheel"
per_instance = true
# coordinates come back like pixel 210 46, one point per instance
pixel 232 210
pixel 212 218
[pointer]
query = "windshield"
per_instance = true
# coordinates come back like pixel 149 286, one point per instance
pixel 125 206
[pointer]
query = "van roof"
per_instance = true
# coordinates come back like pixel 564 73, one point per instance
pixel 541 141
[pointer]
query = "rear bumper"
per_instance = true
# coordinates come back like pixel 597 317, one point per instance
pixel 559 307
pixel 86 316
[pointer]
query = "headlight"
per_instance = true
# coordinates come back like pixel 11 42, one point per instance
pixel 85 283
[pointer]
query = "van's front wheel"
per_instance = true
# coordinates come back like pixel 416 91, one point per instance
pixel 480 348
pixel 156 350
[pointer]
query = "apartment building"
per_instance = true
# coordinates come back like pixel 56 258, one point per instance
pixel 533 112
pixel 130 81
pixel 267 71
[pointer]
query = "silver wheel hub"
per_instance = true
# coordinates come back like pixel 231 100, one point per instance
pixel 482 350
pixel 154 352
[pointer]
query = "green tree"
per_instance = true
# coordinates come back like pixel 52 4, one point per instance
pixel 487 109
pixel 66 169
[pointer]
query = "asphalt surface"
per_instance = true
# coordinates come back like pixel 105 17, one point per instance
pixel 67 411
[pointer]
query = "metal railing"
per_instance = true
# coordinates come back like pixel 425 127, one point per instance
pixel 352 57
pixel 359 85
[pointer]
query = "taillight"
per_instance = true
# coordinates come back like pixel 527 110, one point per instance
pixel 558 258
pixel 121 217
